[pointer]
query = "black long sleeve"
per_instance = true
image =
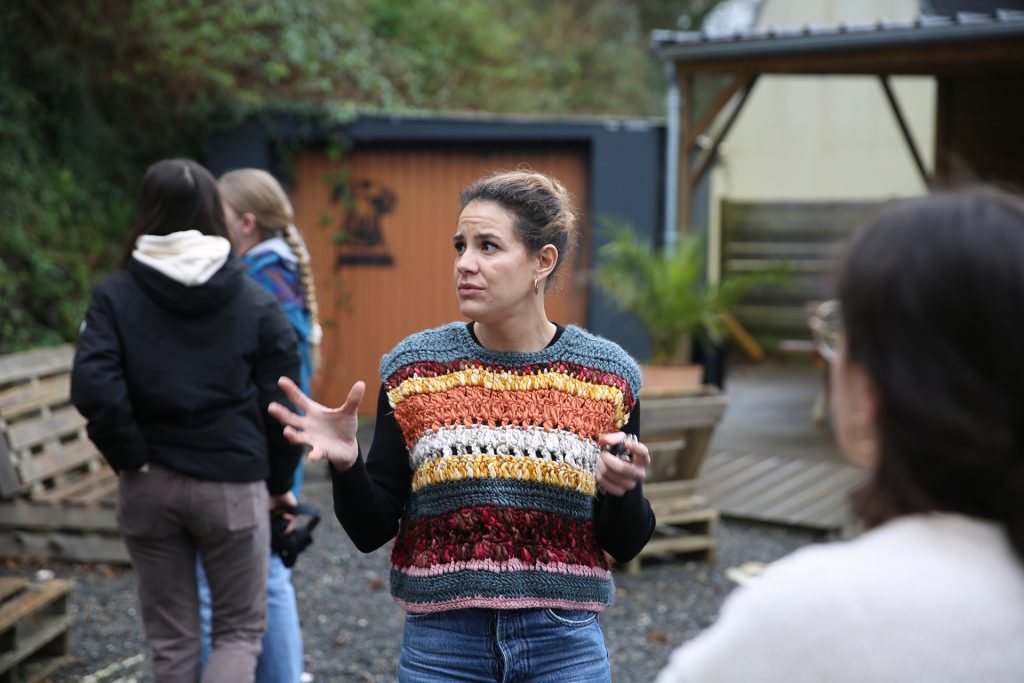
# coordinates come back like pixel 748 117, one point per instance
pixel 625 523
pixel 370 496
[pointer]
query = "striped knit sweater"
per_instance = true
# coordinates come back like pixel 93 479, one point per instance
pixel 503 457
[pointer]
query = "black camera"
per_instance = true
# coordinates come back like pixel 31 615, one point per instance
pixel 288 546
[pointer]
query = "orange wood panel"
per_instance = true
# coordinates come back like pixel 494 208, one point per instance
pixel 366 309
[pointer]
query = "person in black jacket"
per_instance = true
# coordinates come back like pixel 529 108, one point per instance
pixel 176 363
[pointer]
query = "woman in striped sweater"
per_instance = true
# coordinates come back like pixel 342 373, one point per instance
pixel 491 462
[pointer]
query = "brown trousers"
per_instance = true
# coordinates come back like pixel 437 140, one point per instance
pixel 166 518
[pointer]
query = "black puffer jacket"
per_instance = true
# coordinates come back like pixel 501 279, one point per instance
pixel 182 376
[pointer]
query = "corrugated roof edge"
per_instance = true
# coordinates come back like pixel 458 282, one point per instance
pixel 671 45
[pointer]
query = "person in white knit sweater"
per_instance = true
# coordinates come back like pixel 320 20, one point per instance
pixel 925 343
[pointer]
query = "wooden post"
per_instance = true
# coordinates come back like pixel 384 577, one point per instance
pixel 683 185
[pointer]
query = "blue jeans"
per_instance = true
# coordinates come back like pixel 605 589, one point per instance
pixel 281 658
pixel 521 645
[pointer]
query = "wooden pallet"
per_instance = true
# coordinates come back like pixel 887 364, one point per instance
pixel 34 624
pixel 677 427
pixel 686 526
pixel 802 492
pixel 58 494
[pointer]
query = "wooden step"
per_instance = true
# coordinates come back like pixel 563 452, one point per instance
pixel 34 627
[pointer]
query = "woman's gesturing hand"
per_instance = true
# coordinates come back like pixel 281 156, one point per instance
pixel 329 432
pixel 617 475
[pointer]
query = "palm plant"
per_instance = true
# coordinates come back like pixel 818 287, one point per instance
pixel 667 292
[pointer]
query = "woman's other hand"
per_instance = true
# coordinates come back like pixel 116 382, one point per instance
pixel 329 432
pixel 617 475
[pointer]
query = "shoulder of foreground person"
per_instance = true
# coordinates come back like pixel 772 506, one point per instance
pixel 931 597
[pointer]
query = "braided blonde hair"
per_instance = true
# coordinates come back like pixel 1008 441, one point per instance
pixel 251 190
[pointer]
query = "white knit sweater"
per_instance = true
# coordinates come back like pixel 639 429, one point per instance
pixel 935 599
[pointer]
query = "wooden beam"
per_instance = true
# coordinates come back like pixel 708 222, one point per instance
pixel 713 110
pixel 905 129
pixel 709 156
pixel 740 335
pixel 966 56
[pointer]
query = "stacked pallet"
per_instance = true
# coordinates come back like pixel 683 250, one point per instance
pixel 57 495
pixel 686 525
pixel 34 624
pixel 677 426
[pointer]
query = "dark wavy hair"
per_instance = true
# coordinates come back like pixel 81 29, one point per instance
pixel 544 210
pixel 176 194
pixel 932 297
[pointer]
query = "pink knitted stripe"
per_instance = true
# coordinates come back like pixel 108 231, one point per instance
pixel 513 565
pixel 498 603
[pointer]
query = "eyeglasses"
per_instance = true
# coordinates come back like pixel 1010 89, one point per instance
pixel 827 329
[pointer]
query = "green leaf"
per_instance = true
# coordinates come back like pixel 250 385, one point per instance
pixel 666 289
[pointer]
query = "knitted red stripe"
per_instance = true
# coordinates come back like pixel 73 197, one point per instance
pixel 548 408
pixel 498 534
pixel 581 372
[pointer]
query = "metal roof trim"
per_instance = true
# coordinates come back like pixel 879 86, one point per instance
pixel 696 47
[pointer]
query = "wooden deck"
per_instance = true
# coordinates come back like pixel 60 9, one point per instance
pixel 796 491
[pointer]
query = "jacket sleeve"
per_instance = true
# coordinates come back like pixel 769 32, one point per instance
pixel 99 390
pixel 370 496
pixel 625 523
pixel 277 356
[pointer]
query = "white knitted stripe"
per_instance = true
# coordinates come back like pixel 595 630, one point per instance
pixel 558 446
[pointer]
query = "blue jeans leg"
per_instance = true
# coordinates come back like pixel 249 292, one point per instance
pixel 297 480
pixel 480 645
pixel 457 645
pixel 281 658
pixel 205 613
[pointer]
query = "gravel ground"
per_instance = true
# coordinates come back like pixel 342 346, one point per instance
pixel 352 628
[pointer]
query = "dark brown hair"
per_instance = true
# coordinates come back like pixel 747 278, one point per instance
pixel 176 194
pixel 544 210
pixel 932 297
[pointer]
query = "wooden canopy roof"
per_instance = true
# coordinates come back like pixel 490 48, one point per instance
pixel 934 45
pixel 956 48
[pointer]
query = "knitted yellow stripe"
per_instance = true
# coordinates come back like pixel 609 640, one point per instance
pixel 509 381
pixel 456 467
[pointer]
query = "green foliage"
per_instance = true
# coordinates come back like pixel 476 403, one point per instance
pixel 93 91
pixel 54 228
pixel 667 292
